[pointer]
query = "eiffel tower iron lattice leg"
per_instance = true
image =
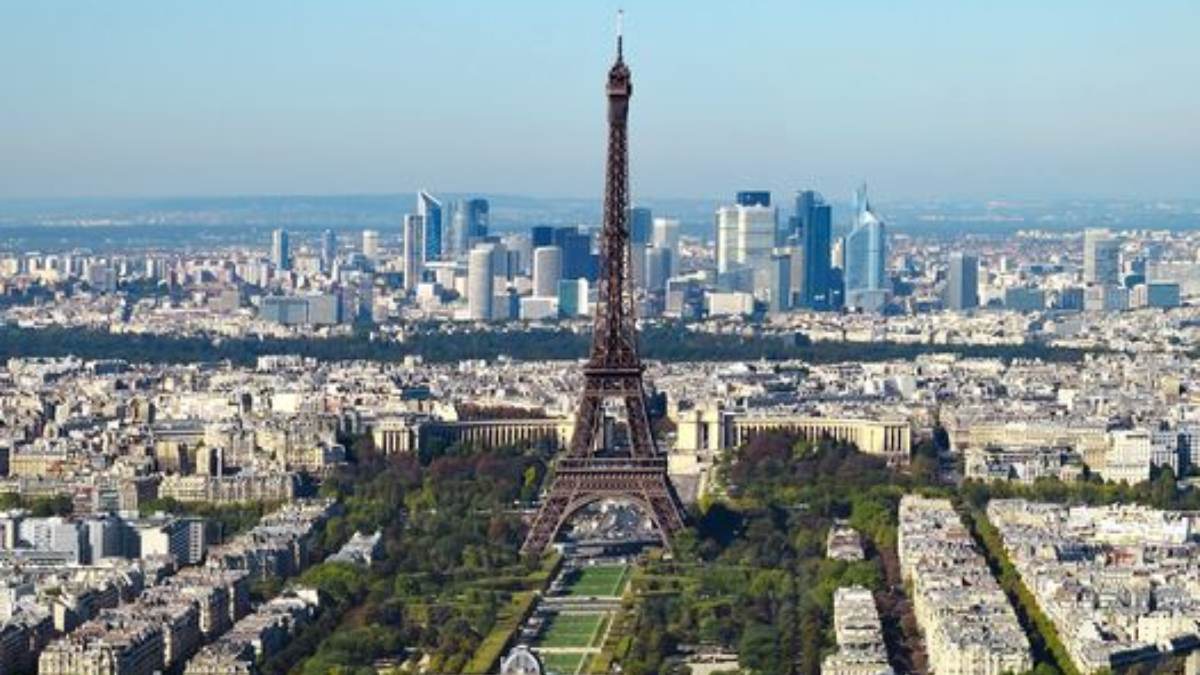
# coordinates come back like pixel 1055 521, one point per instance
pixel 593 480
pixel 586 473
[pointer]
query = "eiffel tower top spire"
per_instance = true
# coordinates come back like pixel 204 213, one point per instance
pixel 619 83
pixel 620 26
pixel 614 337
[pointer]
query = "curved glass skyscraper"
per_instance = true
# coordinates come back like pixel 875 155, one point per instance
pixel 430 210
pixel 866 258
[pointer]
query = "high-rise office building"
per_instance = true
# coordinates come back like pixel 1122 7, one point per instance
pixel 542 235
pixel 865 250
pixel 500 260
pixel 753 198
pixel 727 229
pixel 479 218
pixel 547 270
pixel 328 250
pixel 666 233
pixel 1155 295
pixel 578 262
pixel 1105 298
pixel 637 267
pixel 454 234
pixel 659 265
pixel 1023 299
pixel 281 256
pixel 480 284
pixel 573 298
pixel 1101 258
pixel 318 310
pixel 370 244
pixel 962 282
pixel 779 287
pixel 814 227
pixel 641 222
pixel 756 234
pixel 806 202
pixel 520 253
pixel 795 253
pixel 467 223
pixel 414 250
pixel 430 210
pixel 745 237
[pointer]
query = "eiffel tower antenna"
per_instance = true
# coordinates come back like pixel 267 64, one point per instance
pixel 590 472
pixel 620 33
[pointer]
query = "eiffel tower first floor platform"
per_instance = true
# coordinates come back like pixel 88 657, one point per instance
pixel 579 482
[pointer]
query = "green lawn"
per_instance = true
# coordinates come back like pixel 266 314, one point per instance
pixel 562 664
pixel 601 580
pixel 571 630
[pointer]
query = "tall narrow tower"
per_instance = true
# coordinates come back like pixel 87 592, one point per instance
pixel 633 470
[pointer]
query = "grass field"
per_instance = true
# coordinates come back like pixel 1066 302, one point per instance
pixel 562 664
pixel 601 580
pixel 571 630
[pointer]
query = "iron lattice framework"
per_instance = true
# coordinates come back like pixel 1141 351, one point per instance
pixel 589 472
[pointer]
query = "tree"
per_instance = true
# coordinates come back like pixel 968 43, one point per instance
pixel 759 649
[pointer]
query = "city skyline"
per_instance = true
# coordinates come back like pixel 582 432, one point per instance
pixel 445 433
pixel 256 100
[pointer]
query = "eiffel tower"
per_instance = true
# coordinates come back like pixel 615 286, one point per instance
pixel 589 472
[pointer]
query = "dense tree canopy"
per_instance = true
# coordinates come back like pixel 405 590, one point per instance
pixel 750 575
pixel 450 559
pixel 665 343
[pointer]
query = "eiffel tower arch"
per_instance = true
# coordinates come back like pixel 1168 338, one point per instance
pixel 589 472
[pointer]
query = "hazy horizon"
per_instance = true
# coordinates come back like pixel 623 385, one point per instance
pixel 1020 100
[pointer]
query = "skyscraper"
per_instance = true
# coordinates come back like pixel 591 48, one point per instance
pixel 328 250
pixel 467 223
pixel 500 259
pixel 659 264
pixel 414 250
pixel 542 235
pixel 281 255
pixel 753 198
pixel 547 270
pixel 577 262
pixel 430 211
pixel 641 222
pixel 666 233
pixel 745 237
pixel 370 244
pixel 636 269
pixel 962 282
pixel 480 285
pixel 479 218
pixel 866 258
pixel 796 285
pixel 756 234
pixel 814 222
pixel 454 235
pixel 779 288
pixel 665 236
pixel 1101 258
pixel 573 298
pixel 726 236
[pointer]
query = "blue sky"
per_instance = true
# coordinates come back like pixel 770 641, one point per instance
pixel 948 98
